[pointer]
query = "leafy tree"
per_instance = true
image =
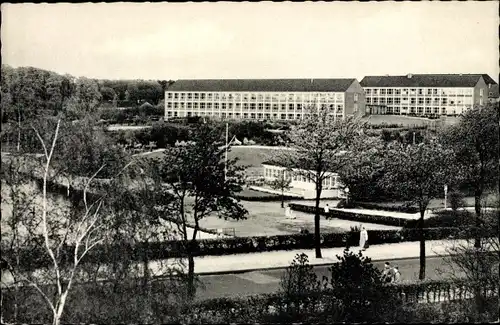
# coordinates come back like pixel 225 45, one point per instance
pixel 87 97
pixel 282 184
pixel 318 145
pixel 417 174
pixel 196 174
pixel 475 147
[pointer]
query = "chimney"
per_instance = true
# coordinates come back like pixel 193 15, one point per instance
pixel 409 75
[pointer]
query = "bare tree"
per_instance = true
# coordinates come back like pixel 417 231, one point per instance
pixel 282 183
pixel 479 265
pixel 319 144
pixel 63 235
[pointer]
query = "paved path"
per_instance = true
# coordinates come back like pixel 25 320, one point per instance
pixel 268 281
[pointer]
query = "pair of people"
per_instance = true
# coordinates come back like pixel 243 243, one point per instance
pixel 391 274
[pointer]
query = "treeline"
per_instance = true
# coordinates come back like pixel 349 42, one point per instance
pixel 28 92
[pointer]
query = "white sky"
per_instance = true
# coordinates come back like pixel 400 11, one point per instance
pixel 252 40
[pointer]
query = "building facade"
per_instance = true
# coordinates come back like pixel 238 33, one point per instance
pixel 443 94
pixel 263 99
pixel 301 185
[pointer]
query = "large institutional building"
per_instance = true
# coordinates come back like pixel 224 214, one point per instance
pixel 287 99
pixel 263 99
pixel 426 94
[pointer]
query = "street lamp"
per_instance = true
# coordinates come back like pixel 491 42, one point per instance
pixel 227 145
pixel 346 190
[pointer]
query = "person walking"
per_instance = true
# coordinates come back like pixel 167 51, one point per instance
pixel 363 239
pixel 397 275
pixel 287 212
pixel 387 274
pixel 327 209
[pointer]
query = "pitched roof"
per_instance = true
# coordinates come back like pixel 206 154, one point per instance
pixel 488 79
pixel 494 91
pixel 423 80
pixel 271 85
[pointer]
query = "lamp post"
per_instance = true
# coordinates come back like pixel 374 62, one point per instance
pixel 346 190
pixel 227 146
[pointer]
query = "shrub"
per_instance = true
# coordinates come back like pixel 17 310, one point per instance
pixel 343 203
pixel 387 207
pixel 456 200
pixel 357 287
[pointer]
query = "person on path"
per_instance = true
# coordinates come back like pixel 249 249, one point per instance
pixel 288 212
pixel 363 239
pixel 327 209
pixel 388 273
pixel 397 275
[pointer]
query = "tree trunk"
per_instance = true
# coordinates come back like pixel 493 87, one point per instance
pixel 191 289
pixel 421 274
pixel 477 207
pixel 282 199
pixel 317 237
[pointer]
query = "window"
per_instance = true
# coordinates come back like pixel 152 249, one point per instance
pixel 202 96
pixel 375 92
pixel 261 106
pixel 480 101
pixel 169 96
pixel 356 97
pixel 245 115
pixel 398 91
pixel 397 100
pixel 252 106
pixel 368 91
pixel 420 91
pixel 382 91
pixel 283 107
pixel 209 96
pixel 389 101
pixel 290 116
pixel 283 116
pixel 368 100
pixel 389 91
pixel 382 101
pixel 290 107
pixel 420 101
pixel 427 101
pixel 190 96
pixel 189 106
pixel 268 106
pixel 202 105
pixel 481 92
pixel 355 107
pixel 183 96
pixel 413 100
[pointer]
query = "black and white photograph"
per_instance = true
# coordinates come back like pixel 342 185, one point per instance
pixel 250 162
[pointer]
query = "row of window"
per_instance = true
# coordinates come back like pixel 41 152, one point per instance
pixel 328 182
pixel 420 91
pixel 256 96
pixel 419 101
pixel 246 106
pixel 426 110
pixel 259 116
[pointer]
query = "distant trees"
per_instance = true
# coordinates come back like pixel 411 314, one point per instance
pixel 318 145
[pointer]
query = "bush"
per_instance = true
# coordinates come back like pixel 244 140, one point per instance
pixel 459 219
pixel 343 203
pixel 357 286
pixel 456 200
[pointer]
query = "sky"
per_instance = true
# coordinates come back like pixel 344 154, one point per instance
pixel 252 40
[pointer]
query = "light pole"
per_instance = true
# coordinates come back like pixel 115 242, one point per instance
pixel 346 190
pixel 227 146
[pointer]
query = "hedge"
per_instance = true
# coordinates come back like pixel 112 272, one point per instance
pixel 34 257
pixel 359 217
pixel 265 198
pixel 392 207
